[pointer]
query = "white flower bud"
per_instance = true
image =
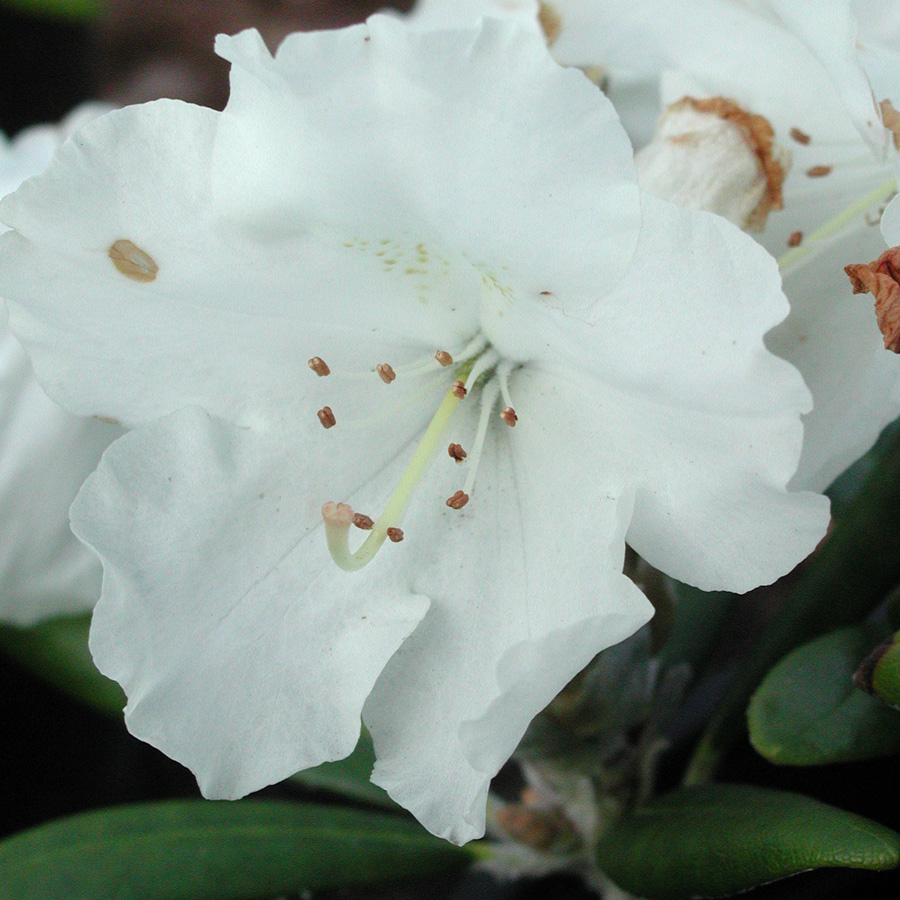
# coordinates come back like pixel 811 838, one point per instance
pixel 713 155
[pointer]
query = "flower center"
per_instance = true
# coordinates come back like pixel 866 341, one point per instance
pixel 479 368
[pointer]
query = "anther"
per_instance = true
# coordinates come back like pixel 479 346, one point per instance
pixel 459 389
pixel 458 500
pixel 818 171
pixel 508 414
pixel 395 534
pixel 319 366
pixel 456 452
pixel 363 522
pixel 795 239
pixel 385 373
pixel 801 137
pixel 443 357
pixel 326 417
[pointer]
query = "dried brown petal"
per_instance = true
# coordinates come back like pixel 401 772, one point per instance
pixel 881 278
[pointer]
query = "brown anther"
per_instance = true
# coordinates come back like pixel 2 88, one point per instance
pixel 891 119
pixel 364 522
pixel 459 389
pixel 395 534
pixel 456 452
pixel 458 500
pixel 546 293
pixel 550 22
pixel 801 137
pixel 508 414
pixel 818 171
pixel 326 417
pixel 795 239
pixel 385 373
pixel 443 357
pixel 319 366
pixel 881 278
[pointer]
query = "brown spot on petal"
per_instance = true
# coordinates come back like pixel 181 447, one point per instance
pixel 818 171
pixel 133 262
pixel 395 534
pixel 795 239
pixel 881 278
pixel 799 136
pixel 891 119
pixel 759 137
pixel 550 21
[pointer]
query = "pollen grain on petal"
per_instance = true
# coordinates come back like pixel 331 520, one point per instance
pixel 456 452
pixel 326 417
pixel 818 171
pixel 508 414
pixel 395 535
pixel 459 389
pixel 319 366
pixel 443 357
pixel 133 262
pixel 801 137
pixel 362 521
pixel 881 278
pixel 385 373
pixel 458 500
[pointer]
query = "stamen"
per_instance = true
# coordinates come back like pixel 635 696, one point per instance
pixel 799 136
pixel 338 516
pixel 363 522
pixel 818 171
pixel 488 399
pixel 326 417
pixel 456 452
pixel 458 500
pixel 319 366
pixel 385 373
pixel 508 414
pixel 443 357
pixel 459 389
pixel 815 242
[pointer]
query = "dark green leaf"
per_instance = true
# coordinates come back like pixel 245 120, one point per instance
pixel 853 571
pixel 698 620
pixel 61 9
pixel 719 839
pixel 886 674
pixel 57 651
pixel 198 850
pixel 349 777
pixel 808 711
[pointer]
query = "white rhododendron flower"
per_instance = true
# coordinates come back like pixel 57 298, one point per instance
pixel 402 296
pixel 45 453
pixel 796 64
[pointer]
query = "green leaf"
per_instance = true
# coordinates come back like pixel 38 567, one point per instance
pixel 73 10
pixel 57 651
pixel 199 850
pixel 699 617
pixel 886 674
pixel 349 777
pixel 809 712
pixel 719 839
pixel 852 572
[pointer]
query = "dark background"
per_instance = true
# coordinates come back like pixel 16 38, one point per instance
pixel 60 757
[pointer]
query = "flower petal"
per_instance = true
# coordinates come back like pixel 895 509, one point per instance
pixel 47 454
pixel 526 588
pixel 372 128
pixel 245 652
pixel 149 343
